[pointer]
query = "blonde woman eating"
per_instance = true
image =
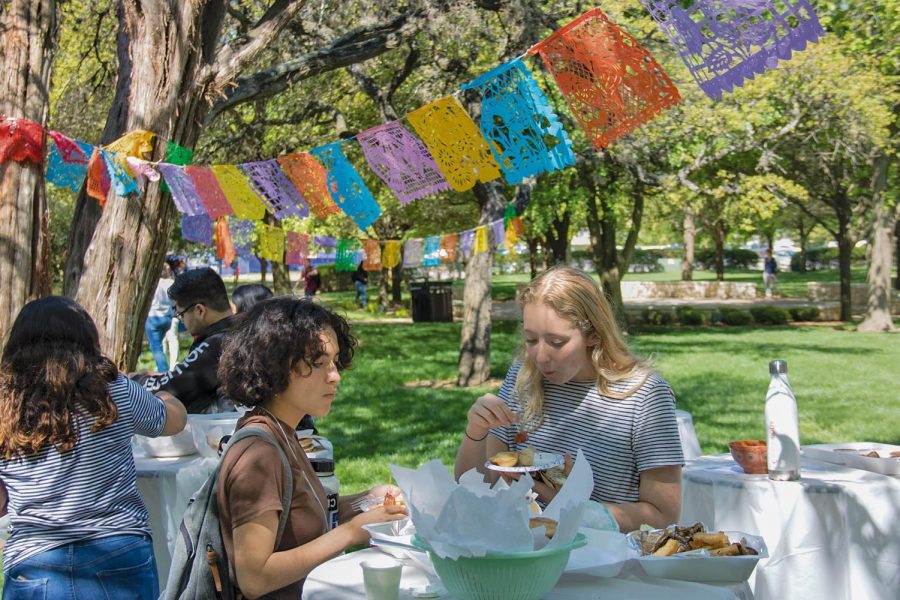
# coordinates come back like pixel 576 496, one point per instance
pixel 578 386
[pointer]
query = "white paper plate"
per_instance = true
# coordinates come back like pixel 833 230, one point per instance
pixel 831 453
pixel 715 569
pixel 542 460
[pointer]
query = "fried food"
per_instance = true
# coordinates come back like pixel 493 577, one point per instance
pixel 505 459
pixel 668 549
pixel 547 523
pixel 729 550
pixel 872 454
pixel 709 540
pixel 526 456
pixel 674 540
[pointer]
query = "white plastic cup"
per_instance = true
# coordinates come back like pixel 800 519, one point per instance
pixel 381 578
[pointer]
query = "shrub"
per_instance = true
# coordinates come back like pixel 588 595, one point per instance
pixel 770 315
pixel 645 261
pixel 805 313
pixel 653 316
pixel 734 258
pixel 734 316
pixel 689 315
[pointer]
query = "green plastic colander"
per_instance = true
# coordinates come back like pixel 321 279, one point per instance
pixel 518 576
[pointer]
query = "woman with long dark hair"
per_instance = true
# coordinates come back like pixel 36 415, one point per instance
pixel 67 475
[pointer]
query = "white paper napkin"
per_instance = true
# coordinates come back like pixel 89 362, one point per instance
pixel 471 518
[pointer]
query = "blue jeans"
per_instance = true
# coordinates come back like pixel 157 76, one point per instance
pixel 361 291
pixel 156 329
pixel 114 567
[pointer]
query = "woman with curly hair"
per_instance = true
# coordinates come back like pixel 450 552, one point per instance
pixel 578 386
pixel 284 359
pixel 67 475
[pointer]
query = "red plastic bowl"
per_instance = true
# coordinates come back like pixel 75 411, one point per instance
pixel 750 455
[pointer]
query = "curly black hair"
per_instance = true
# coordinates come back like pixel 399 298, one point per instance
pixel 271 340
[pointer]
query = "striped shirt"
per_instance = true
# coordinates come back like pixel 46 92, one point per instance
pixel 87 492
pixel 619 438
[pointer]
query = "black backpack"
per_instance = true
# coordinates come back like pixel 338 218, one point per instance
pixel 200 569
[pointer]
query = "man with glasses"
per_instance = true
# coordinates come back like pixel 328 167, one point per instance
pixel 201 303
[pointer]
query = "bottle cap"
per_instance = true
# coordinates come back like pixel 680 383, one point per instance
pixel 322 466
pixel 778 367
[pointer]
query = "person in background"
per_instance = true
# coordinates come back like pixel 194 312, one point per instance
pixel 237 270
pixel 170 341
pixel 245 296
pixel 201 303
pixel 578 386
pixel 67 474
pixel 312 282
pixel 361 281
pixel 284 359
pixel 159 319
pixel 770 273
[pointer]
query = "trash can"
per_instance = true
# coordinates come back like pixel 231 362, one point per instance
pixel 432 301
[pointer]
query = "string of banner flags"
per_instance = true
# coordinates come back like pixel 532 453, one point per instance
pixel 610 83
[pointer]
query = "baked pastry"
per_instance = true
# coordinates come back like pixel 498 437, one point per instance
pixel 547 523
pixel 505 459
pixel 526 456
pixel 554 477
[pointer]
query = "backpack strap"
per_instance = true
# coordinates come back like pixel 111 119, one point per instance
pixel 287 491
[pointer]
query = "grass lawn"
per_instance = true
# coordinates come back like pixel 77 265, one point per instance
pixel 845 385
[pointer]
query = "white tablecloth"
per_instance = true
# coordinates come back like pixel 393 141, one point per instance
pixel 166 485
pixel 834 534
pixel 341 579
pixel 690 445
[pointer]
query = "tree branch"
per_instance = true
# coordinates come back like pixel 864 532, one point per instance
pixel 232 60
pixel 358 45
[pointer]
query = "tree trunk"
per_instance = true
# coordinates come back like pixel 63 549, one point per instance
pixel 383 288
pixel 396 280
pixel 845 250
pixel 689 235
pixel 897 253
pixel 719 237
pixel 878 306
pixel 281 279
pixel 263 268
pixel 602 227
pixel 161 90
pixel 533 243
pixel 87 209
pixel 475 338
pixel 29 33
pixel 557 239
pixel 803 234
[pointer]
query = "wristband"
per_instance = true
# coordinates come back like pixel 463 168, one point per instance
pixel 481 439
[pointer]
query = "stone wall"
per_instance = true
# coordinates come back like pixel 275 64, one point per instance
pixel 859 294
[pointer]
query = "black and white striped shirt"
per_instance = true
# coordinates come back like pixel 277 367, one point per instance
pixel 87 492
pixel 619 438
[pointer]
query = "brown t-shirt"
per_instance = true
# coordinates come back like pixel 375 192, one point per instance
pixel 251 484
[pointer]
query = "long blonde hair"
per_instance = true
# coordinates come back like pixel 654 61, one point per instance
pixel 577 298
